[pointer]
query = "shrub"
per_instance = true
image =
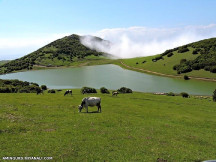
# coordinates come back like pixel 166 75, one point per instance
pixel 207 68
pixel 157 58
pixel 195 66
pixel 214 95
pixel 195 52
pixel 104 90
pixel 184 69
pixel 88 90
pixel 170 94
pixel 43 87
pixel 182 61
pixel 5 90
pixel 137 63
pixel 183 49
pixel 175 67
pixel 186 77
pixel 144 62
pixel 51 91
pixel 170 54
pixel 213 69
pixel 24 90
pixel 124 90
pixel 184 95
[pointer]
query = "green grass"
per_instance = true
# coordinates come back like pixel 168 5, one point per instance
pixel 131 127
pixel 166 66
pixel 3 62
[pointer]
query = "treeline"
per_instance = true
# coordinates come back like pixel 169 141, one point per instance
pixel 65 49
pixel 16 86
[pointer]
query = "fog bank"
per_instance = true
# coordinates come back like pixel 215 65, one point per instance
pixel 143 41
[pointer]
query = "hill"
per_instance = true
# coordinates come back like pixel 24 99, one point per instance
pixel 131 127
pixel 68 51
pixel 196 59
pixel 2 62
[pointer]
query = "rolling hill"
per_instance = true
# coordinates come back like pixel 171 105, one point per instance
pixel 68 51
pixel 2 62
pixel 196 59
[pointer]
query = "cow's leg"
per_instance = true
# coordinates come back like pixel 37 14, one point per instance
pixel 99 107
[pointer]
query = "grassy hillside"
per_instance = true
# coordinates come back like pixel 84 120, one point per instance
pixel 67 51
pixel 2 62
pixel 131 127
pixel 196 59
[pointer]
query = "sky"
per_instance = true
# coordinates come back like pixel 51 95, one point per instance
pixel 137 27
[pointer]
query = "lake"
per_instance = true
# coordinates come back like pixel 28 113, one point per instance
pixel 111 77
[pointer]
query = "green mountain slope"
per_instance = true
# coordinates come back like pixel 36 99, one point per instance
pixel 67 51
pixel 196 59
pixel 2 62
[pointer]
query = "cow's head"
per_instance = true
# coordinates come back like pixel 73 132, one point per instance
pixel 80 108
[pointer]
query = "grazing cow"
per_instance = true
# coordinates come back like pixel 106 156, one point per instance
pixel 90 101
pixel 68 92
pixel 115 93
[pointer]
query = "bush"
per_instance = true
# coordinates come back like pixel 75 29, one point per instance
pixel 51 91
pixel 104 90
pixel 182 61
pixel 183 49
pixel 184 69
pixel 5 90
pixel 175 67
pixel 137 63
pixel 124 90
pixel 207 68
pixel 186 77
pixel 170 54
pixel 24 90
pixel 213 69
pixel 88 90
pixel 184 95
pixel 144 62
pixel 157 58
pixel 214 95
pixel 195 66
pixel 170 94
pixel 195 52
pixel 43 87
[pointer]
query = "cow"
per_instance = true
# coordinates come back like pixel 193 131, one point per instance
pixel 90 101
pixel 68 92
pixel 115 93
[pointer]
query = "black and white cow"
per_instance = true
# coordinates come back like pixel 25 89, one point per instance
pixel 68 92
pixel 90 101
pixel 115 93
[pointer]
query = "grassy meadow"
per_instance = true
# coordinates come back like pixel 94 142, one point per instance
pixel 131 127
pixel 165 65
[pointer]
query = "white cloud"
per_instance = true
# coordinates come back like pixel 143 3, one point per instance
pixel 143 41
pixel 126 42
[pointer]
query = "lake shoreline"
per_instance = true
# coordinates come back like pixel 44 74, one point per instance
pixel 162 74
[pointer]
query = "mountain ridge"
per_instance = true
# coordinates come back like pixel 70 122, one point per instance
pixel 61 52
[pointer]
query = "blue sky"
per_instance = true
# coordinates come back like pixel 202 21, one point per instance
pixel 39 19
